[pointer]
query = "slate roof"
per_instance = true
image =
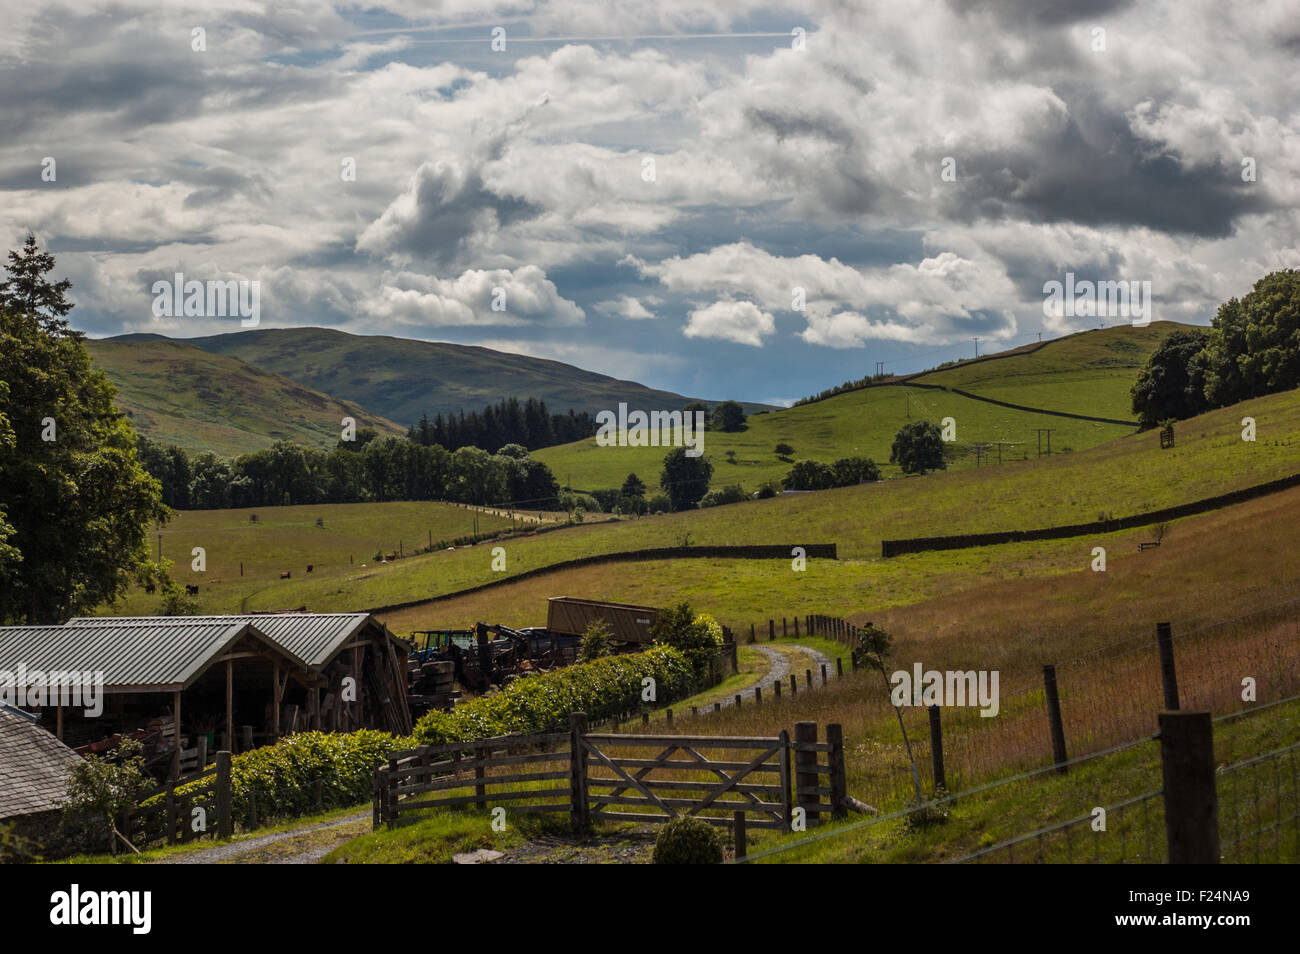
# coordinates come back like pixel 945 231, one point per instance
pixel 34 766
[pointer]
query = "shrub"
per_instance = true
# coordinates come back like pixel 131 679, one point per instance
pixel 100 787
pixel 177 602
pixel 283 775
pixel 659 503
pixel 855 470
pixel 809 475
pixel 698 638
pixel 602 688
pixel 595 641
pixel 725 495
pixel 784 450
pixel 688 841
pixel 918 447
pixel 728 416
pixel 767 489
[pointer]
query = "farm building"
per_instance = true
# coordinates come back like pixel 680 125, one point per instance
pixel 156 679
pixel 216 681
pixel 357 667
pixel 629 623
pixel 34 772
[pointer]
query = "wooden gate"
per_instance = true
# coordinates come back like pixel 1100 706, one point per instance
pixel 679 779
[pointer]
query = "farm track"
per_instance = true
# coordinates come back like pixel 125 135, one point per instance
pixel 273 848
pixel 779 671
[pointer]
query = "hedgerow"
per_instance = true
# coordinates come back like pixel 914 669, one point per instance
pixel 602 688
pixel 283 775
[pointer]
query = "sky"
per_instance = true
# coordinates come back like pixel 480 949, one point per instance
pixel 752 202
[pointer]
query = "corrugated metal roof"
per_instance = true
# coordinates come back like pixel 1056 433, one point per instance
pixel 34 766
pixel 311 638
pixel 133 653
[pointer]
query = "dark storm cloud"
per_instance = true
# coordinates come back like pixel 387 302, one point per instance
pixel 1041 12
pixel 1123 180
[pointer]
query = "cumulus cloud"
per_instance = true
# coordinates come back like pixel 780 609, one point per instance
pixel 626 306
pixel 476 297
pixel 740 321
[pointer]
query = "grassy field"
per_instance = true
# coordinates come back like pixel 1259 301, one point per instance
pixel 1088 373
pixel 179 394
pixel 1125 476
pixel 288 538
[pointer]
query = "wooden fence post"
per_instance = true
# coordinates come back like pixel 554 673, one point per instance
pixel 1168 677
pixel 1054 718
pixel 839 778
pixel 225 821
pixel 776 687
pixel 787 807
pixel 738 829
pixel 376 811
pixel 737 700
pixel 936 749
pixel 807 673
pixel 784 632
pixel 839 667
pixel 579 810
pixel 796 627
pixel 1191 802
pixel 824 679
pixel 794 685
pixel 758 695
pixel 771 630
pixel 805 769
pixel 480 788
pixel 751 633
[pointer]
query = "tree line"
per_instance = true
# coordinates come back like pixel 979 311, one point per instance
pixel 369 468
pixel 528 424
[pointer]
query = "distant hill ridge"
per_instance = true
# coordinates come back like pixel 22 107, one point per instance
pixel 401 378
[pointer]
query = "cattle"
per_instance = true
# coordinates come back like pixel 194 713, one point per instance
pixel 390 556
pixel 309 567
pixel 285 575
pixel 192 589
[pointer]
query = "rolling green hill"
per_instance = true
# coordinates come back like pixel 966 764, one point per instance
pixel 401 378
pixel 1088 373
pixel 1129 475
pixel 180 394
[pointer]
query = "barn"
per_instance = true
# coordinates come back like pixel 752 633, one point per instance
pixel 211 681
pixel 357 668
pixel 157 679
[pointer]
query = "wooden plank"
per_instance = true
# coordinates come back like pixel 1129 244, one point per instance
pixel 706 741
pixel 689 803
pixel 403 807
pixel 449 784
pixel 684 764
pixel 673 785
pixel 711 819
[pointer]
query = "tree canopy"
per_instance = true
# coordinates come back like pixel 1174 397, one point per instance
pixel 77 504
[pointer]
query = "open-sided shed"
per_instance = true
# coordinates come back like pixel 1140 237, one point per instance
pixel 173 673
pixel 356 667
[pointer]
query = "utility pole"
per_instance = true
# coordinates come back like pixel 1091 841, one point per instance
pixel 977 347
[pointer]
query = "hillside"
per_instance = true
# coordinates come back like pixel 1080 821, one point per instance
pixel 1089 373
pixel 180 394
pixel 401 378
pixel 1086 373
pixel 1128 475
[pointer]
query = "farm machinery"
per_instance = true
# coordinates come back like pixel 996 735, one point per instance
pixel 478 659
